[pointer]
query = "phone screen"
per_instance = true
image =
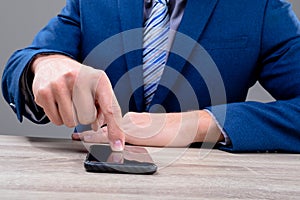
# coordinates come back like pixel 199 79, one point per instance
pixel 133 160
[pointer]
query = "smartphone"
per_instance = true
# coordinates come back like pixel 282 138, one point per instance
pixel 133 160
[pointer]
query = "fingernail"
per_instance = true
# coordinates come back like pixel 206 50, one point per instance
pixel 117 145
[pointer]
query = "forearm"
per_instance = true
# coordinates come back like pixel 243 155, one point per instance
pixel 171 129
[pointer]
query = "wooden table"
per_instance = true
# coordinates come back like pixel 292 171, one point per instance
pixel 39 168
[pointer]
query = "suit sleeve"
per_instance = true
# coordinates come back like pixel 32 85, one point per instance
pixel 61 35
pixel 274 126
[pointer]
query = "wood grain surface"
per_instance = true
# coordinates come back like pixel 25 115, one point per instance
pixel 39 168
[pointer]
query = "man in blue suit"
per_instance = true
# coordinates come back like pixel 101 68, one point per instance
pixel 248 41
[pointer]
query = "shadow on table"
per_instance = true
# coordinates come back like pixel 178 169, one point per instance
pixel 58 145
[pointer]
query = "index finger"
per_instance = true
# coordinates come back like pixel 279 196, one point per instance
pixel 111 111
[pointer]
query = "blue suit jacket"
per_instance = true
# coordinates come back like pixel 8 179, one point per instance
pixel 246 40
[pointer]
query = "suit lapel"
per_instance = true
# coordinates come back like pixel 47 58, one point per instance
pixel 131 17
pixel 194 20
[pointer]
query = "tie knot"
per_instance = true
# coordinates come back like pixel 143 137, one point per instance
pixel 165 2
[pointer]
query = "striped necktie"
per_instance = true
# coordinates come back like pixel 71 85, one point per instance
pixel 156 30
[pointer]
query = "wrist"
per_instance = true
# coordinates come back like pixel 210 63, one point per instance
pixel 42 58
pixel 208 130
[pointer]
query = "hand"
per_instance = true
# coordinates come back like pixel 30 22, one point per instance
pixel 166 129
pixel 170 129
pixel 72 93
pixel 91 136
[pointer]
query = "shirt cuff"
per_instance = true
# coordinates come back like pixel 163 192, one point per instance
pixel 227 140
pixel 32 110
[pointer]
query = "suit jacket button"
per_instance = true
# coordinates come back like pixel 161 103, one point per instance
pixel 13 106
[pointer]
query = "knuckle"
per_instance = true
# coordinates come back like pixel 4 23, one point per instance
pixel 57 85
pixel 70 124
pixel 71 75
pixel 70 120
pixel 53 117
pixel 42 94
pixel 101 72
pixel 108 111
pixel 56 121
pixel 101 76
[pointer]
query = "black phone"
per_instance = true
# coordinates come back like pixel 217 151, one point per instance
pixel 133 160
